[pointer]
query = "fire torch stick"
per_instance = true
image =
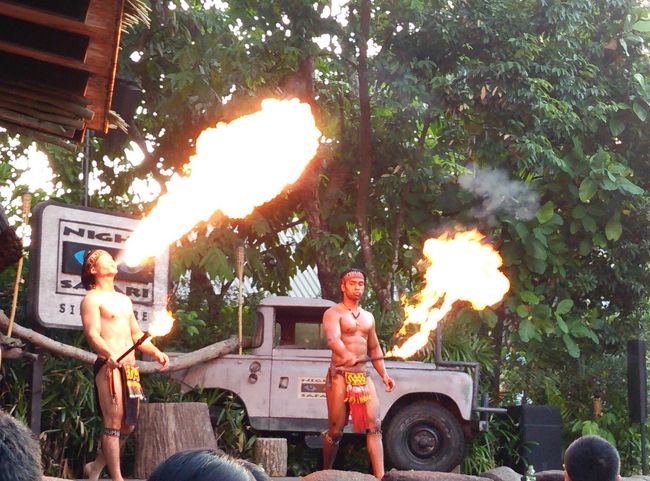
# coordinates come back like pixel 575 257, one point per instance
pixel 378 358
pixel 161 325
pixel 144 337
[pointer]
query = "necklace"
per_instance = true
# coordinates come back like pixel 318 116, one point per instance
pixel 356 316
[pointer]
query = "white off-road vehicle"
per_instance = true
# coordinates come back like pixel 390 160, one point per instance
pixel 426 419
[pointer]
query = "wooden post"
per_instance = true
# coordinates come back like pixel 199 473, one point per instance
pixel 240 277
pixel 36 393
pixel 167 428
pixel 27 202
pixel 271 453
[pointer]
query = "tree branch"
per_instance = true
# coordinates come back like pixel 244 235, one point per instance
pixel 149 162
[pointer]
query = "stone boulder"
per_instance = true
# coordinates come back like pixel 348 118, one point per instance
pixel 336 475
pixel 394 475
pixel 550 475
pixel 502 473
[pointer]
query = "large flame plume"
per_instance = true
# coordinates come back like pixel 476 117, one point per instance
pixel 162 323
pixel 237 166
pixel 461 267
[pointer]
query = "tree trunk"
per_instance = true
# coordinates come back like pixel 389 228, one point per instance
pixel 271 453
pixel 381 284
pixel 318 229
pixel 365 160
pixel 167 428
pixel 498 334
pixel 302 84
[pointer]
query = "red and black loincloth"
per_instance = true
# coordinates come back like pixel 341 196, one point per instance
pixel 357 395
pixel 131 390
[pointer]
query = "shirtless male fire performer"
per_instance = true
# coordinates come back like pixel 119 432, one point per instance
pixel 351 335
pixel 111 328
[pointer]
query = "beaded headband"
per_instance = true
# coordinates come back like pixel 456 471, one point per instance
pixel 93 256
pixel 353 275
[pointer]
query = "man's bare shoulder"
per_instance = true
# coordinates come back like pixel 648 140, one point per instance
pixel 333 311
pixel 91 297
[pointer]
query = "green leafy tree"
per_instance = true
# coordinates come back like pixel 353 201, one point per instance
pixel 414 99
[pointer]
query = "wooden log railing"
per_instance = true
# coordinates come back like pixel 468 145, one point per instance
pixel 177 362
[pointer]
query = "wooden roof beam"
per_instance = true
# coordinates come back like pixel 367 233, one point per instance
pixel 47 57
pixel 47 19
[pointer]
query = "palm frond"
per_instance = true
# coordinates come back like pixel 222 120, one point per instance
pixel 136 12
pixel 115 121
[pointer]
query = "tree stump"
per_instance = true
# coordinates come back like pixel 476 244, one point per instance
pixel 167 428
pixel 271 453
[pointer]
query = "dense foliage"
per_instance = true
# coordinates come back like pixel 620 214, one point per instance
pixel 526 119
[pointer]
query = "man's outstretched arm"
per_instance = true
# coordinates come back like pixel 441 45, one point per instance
pixel 376 354
pixel 147 347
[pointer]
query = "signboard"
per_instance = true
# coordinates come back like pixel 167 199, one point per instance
pixel 312 388
pixel 61 236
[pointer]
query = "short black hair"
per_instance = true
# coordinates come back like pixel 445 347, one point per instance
pixel 258 473
pixel 354 269
pixel 201 465
pixel 20 453
pixel 591 458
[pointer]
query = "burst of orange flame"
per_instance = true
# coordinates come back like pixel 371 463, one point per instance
pixel 237 166
pixel 461 268
pixel 162 323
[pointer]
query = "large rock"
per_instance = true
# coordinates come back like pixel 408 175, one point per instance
pixel 336 475
pixel 636 477
pixel 429 476
pixel 550 475
pixel 502 473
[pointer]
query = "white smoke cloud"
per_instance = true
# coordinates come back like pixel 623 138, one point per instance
pixel 499 194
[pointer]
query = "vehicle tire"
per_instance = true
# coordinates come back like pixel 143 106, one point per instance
pixel 424 436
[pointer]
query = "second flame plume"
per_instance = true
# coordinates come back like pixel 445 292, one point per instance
pixel 461 268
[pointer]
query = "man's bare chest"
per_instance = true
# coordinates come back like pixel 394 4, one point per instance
pixel 351 325
pixel 115 308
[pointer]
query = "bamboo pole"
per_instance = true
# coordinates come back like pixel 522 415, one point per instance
pixel 36 124
pixel 27 201
pixel 48 90
pixel 41 97
pixel 240 275
pixel 36 105
pixel 49 138
pixel 17 106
